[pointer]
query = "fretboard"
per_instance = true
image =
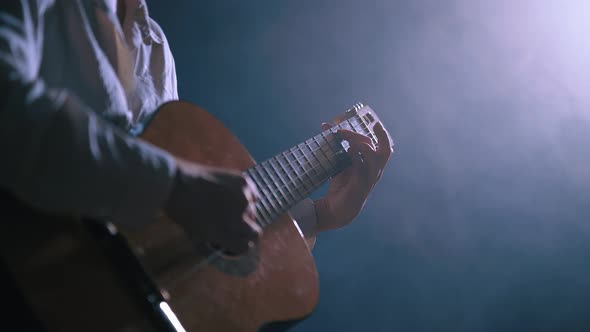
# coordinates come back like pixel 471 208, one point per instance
pixel 292 175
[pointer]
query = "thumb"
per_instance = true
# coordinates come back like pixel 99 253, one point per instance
pixel 326 126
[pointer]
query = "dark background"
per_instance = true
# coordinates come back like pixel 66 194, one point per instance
pixel 480 222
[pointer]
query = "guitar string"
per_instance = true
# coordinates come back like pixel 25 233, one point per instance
pixel 300 165
pixel 354 126
pixel 267 209
pixel 173 283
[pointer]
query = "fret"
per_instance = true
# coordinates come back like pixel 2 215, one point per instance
pixel 296 183
pixel 292 178
pixel 264 211
pixel 320 157
pixel 361 123
pixel 282 202
pixel 310 163
pixel 330 144
pixel 352 126
pixel 309 169
pixel 346 125
pixel 368 131
pixel 318 166
pixel 280 169
pixel 330 161
pixel 312 146
pixel 287 187
pixel 292 175
pixel 261 218
pixel 362 128
pixel 269 192
pixel 300 166
pixel 357 127
pixel 336 154
pixel 263 199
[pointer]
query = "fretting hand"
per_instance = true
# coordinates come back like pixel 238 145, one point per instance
pixel 349 190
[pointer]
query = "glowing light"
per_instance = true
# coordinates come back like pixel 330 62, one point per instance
pixel 171 316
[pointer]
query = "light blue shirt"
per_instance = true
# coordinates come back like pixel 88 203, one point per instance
pixel 76 84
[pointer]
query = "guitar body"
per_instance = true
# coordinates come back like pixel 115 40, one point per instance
pixel 72 285
pixel 277 282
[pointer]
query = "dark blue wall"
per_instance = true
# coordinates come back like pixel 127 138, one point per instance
pixel 480 222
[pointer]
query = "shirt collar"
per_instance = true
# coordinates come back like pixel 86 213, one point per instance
pixel 137 12
pixel 142 18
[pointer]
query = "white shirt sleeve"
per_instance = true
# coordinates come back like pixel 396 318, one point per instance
pixel 56 153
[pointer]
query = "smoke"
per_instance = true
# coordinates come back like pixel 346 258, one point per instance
pixel 501 94
pixel 498 214
pixel 481 221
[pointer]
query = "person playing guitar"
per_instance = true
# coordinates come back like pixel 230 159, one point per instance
pixel 80 78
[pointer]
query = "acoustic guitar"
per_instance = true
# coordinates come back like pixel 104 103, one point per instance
pixel 77 274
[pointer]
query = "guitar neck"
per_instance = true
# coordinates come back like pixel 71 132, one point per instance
pixel 292 175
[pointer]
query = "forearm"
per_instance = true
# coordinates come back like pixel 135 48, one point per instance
pixel 57 154
pixel 60 157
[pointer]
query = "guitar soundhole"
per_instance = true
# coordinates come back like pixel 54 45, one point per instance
pixel 232 263
pixel 222 252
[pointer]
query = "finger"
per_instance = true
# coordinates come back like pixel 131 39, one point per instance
pixel 251 210
pixel 249 216
pixel 353 137
pixel 362 142
pixel 369 160
pixel 384 149
pixel 250 190
pixel 357 165
pixel 373 161
pixel 326 126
